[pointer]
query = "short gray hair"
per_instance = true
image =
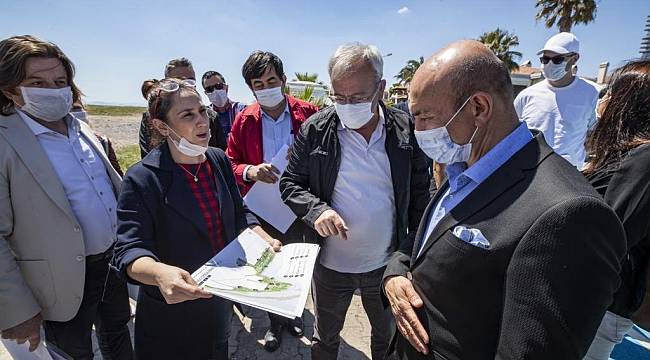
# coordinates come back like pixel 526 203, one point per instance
pixel 351 54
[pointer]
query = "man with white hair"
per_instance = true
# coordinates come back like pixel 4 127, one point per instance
pixel 358 178
pixel 562 106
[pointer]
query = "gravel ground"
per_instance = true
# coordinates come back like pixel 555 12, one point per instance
pixel 122 130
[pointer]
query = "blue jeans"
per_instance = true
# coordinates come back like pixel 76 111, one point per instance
pixel 610 333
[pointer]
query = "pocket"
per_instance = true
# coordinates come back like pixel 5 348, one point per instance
pixel 462 245
pixel 38 276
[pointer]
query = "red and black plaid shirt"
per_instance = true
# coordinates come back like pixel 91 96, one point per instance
pixel 205 193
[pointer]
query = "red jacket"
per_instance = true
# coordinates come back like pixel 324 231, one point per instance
pixel 245 140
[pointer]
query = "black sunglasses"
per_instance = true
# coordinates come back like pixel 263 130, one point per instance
pixel 214 87
pixel 555 59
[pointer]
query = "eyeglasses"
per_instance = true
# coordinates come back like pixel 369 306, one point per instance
pixel 169 86
pixel 341 99
pixel 555 59
pixel 209 89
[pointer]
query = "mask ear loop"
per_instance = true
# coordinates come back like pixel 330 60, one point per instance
pixel 458 111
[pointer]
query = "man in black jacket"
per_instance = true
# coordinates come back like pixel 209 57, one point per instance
pixel 358 178
pixel 516 257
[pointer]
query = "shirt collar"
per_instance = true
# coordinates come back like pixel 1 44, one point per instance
pixel 491 161
pixel 282 116
pixel 39 129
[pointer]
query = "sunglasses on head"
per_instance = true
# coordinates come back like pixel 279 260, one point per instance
pixel 169 86
pixel 555 59
pixel 209 89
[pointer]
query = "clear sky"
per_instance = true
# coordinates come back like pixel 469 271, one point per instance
pixel 117 44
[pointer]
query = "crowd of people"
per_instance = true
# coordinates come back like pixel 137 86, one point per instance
pixel 474 225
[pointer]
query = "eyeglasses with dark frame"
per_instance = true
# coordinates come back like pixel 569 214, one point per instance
pixel 555 59
pixel 211 88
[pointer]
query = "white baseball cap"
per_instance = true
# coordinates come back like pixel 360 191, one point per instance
pixel 562 43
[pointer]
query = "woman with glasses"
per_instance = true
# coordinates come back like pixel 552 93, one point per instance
pixel 178 207
pixel 619 169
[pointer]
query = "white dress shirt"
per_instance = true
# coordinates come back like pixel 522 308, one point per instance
pixel 364 197
pixel 84 178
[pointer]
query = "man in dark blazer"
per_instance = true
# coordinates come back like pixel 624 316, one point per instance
pixel 516 256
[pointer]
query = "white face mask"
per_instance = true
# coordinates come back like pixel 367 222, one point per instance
pixel 554 72
pixel 47 104
pixel 354 116
pixel 80 115
pixel 437 144
pixel 218 98
pixel 270 97
pixel 187 148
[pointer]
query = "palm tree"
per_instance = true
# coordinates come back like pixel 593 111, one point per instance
pixel 306 76
pixel 566 13
pixel 405 75
pixel 500 42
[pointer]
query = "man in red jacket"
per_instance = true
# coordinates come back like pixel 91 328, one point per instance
pixel 257 134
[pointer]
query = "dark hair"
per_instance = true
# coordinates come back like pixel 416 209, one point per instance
pixel 14 53
pixel 625 122
pixel 160 103
pixel 484 72
pixel 211 74
pixel 176 63
pixel 147 85
pixel 257 63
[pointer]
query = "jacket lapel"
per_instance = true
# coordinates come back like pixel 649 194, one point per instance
pixel 425 220
pixel 504 178
pixel 179 195
pixel 29 149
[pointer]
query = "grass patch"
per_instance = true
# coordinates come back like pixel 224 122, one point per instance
pixel 127 156
pixel 108 110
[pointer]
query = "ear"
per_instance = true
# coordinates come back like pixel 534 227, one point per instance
pixel 15 96
pixel 481 105
pixel 161 127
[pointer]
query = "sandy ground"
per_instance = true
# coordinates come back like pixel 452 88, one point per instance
pixel 122 130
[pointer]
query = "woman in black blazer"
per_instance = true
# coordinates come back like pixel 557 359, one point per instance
pixel 619 168
pixel 177 208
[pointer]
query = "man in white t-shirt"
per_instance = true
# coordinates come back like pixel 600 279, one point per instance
pixel 563 106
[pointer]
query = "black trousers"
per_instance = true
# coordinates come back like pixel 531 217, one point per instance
pixel 105 304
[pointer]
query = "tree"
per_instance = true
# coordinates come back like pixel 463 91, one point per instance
pixel 566 13
pixel 405 75
pixel 500 42
pixel 306 77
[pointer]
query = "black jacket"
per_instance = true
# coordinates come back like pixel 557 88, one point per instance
pixel 541 288
pixel 308 182
pixel 159 217
pixel 625 186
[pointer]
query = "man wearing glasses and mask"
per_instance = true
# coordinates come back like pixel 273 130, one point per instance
pixel 358 178
pixel 562 106
pixel 216 90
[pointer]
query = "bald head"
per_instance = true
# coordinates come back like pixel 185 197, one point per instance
pixel 461 69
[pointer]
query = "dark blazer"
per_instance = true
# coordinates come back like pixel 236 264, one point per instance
pixel 159 217
pixel 308 182
pixel 625 185
pixel 541 289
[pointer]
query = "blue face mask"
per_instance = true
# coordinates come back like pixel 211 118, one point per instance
pixel 437 144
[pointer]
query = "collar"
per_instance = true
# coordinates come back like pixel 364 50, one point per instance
pixel 227 107
pixel 282 116
pixel 491 161
pixel 39 129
